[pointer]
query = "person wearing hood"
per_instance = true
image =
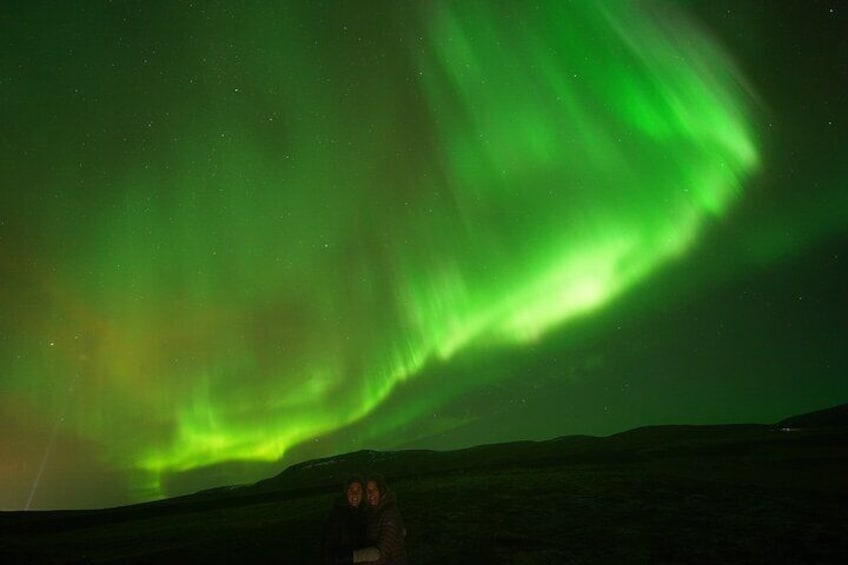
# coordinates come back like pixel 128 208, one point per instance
pixel 385 530
pixel 345 529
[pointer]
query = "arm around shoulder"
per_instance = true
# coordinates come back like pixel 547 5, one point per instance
pixel 366 555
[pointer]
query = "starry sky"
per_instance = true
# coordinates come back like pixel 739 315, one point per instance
pixel 235 236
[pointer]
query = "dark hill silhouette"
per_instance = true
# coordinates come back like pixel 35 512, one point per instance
pixel 834 417
pixel 629 446
pixel 682 494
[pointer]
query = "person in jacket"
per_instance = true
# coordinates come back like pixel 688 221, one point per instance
pixel 385 530
pixel 345 529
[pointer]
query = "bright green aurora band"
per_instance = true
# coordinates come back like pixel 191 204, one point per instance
pixel 293 231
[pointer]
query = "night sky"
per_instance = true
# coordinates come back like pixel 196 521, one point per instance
pixel 234 238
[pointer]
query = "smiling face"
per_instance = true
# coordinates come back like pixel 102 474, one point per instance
pixel 354 494
pixel 372 493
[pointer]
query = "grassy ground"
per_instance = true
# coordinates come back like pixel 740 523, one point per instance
pixel 620 515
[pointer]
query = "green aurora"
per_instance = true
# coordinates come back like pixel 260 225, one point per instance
pixel 225 244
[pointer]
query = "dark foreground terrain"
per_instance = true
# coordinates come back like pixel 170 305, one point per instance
pixel 670 494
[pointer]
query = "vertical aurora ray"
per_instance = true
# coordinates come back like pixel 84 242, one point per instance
pixel 289 228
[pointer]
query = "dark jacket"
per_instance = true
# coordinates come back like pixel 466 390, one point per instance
pixel 386 531
pixel 345 531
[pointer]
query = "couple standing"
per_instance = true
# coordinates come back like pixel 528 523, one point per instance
pixel 365 531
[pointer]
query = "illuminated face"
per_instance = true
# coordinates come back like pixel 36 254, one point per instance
pixel 354 494
pixel 372 492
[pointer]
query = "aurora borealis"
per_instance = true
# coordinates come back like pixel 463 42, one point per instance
pixel 235 237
